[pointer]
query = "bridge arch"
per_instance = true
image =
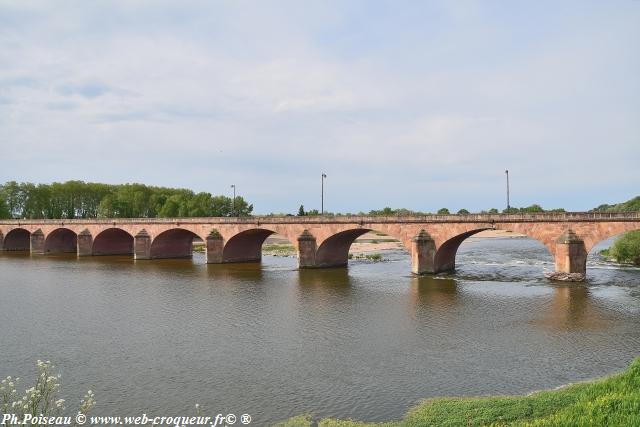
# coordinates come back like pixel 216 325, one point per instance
pixel 445 257
pixel 173 243
pixel 334 250
pixel 17 239
pixel 595 235
pixel 246 246
pixel 112 241
pixel 61 240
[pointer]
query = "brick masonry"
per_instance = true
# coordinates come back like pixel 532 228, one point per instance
pixel 431 240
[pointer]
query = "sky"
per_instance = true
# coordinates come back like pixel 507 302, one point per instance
pixel 413 104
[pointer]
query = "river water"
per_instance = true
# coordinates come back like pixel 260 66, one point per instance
pixel 367 343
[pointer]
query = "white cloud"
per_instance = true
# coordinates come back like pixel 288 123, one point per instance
pixel 269 95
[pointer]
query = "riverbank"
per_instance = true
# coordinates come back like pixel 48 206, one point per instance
pixel 610 401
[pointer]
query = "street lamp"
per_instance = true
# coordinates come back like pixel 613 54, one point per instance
pixel 233 203
pixel 322 195
pixel 507 172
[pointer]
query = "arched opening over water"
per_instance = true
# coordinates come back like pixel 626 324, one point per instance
pixel 249 245
pixel 174 243
pixel 334 251
pixel 246 246
pixel 113 241
pixel 17 239
pixel 598 259
pixel 445 259
pixel 61 240
pixel 488 251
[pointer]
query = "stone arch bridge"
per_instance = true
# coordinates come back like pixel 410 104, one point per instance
pixel 324 241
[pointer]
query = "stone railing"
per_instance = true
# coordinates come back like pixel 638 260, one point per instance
pixel 343 219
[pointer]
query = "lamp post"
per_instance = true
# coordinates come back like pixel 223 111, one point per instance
pixel 507 173
pixel 322 195
pixel 233 203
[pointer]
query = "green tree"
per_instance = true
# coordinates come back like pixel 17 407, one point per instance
pixel 301 211
pixel 78 199
pixel 443 211
pixel 386 212
pixel 14 198
pixel 463 212
pixel 171 208
pixel 199 205
pixel 239 207
pixel 106 207
pixel 626 248
pixel 532 209
pixel 628 206
pixel 4 209
pixel 493 211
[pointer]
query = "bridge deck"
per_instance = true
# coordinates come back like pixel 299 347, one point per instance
pixel 352 219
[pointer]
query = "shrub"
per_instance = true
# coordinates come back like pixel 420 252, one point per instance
pixel 626 248
pixel 40 400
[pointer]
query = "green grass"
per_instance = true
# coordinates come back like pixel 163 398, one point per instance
pixel 278 250
pixel 369 257
pixel 611 401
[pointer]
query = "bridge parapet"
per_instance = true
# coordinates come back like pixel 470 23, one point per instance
pixel 320 241
pixel 347 219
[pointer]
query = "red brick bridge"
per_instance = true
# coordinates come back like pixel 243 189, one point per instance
pixel 324 241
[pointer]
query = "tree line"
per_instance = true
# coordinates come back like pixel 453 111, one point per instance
pixel 443 211
pixel 78 199
pixel 631 205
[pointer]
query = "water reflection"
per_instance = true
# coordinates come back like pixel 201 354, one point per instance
pixel 573 308
pixel 433 291
pixel 324 290
pixel 243 271
pixel 268 339
pixel 334 279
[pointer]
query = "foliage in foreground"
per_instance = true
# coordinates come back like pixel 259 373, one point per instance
pixel 612 401
pixel 39 400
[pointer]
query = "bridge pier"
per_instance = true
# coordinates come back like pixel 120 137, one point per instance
pixel 423 251
pixel 570 257
pixel 37 242
pixel 142 245
pixel 330 242
pixel 306 250
pixel 214 248
pixel 85 243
